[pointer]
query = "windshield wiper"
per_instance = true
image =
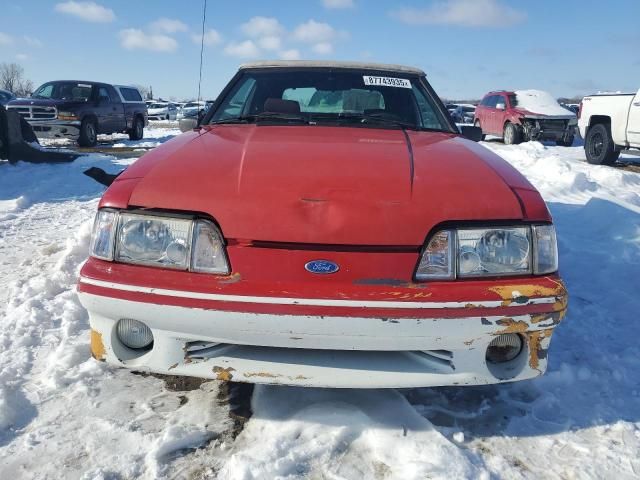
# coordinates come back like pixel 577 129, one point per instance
pixel 364 118
pixel 269 116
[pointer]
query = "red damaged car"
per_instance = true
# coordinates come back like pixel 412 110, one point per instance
pixel 325 225
pixel 525 115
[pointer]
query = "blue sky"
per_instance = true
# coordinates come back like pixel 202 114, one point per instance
pixel 467 47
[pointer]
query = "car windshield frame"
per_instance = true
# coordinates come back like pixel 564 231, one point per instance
pixel 345 119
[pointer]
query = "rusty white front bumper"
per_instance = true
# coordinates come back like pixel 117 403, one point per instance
pixel 319 350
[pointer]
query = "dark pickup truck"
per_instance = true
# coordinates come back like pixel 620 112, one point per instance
pixel 82 110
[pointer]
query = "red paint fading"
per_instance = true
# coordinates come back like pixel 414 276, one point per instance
pixel 279 273
pixel 325 185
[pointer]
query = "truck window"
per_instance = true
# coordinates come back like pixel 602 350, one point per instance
pixel 103 92
pixel 130 95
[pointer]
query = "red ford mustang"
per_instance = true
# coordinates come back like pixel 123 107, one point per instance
pixel 325 225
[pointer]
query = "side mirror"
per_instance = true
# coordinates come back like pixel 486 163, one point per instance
pixel 187 124
pixel 500 106
pixel 471 133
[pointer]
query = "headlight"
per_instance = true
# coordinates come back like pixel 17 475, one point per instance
pixel 151 240
pixel 477 252
pixel 496 251
pixel 181 243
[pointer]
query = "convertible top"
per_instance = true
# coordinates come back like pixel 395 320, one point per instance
pixel 331 64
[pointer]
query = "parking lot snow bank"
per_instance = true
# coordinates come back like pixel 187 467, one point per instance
pixel 63 415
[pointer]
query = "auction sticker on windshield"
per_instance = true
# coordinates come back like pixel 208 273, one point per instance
pixel 387 81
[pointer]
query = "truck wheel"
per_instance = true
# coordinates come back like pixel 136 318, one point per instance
pixel 477 124
pixel 511 134
pixel 137 131
pixel 88 133
pixel 565 143
pixel 599 146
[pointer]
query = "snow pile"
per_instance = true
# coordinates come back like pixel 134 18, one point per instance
pixel 63 415
pixel 538 101
pixel 323 433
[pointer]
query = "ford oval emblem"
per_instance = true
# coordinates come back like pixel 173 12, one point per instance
pixel 321 266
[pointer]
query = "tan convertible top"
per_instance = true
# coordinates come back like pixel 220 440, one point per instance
pixel 331 64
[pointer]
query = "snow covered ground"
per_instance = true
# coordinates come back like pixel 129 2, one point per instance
pixel 63 415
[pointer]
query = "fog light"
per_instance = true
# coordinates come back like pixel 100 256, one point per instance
pixel 134 334
pixel 504 348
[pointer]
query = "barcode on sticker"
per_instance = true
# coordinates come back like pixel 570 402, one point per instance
pixel 387 81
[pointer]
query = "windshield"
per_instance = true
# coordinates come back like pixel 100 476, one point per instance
pixel 513 100
pixel 158 105
pixel 325 96
pixel 80 92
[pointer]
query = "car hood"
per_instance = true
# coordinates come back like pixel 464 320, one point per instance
pixel 521 112
pixel 326 185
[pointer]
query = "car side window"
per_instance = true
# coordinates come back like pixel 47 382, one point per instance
pixel 103 92
pixel 426 109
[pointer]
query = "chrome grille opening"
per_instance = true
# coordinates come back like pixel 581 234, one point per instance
pixel 34 112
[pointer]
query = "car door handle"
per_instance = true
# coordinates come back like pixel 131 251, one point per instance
pixel 636 104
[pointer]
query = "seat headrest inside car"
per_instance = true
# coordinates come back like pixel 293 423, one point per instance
pixel 278 105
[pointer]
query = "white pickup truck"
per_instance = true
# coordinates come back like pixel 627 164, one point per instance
pixel 609 124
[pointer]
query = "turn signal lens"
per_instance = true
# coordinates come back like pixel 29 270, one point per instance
pixel 436 262
pixel 208 253
pixel 545 252
pixel 102 238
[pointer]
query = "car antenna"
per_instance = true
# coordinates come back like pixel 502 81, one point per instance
pixel 204 18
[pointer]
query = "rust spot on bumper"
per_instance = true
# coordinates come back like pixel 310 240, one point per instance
pixel 97 347
pixel 512 326
pixel 223 374
pixel 274 376
pixel 262 375
pixel 521 294
pixel 538 346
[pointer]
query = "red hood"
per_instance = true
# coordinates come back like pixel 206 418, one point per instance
pixel 325 185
